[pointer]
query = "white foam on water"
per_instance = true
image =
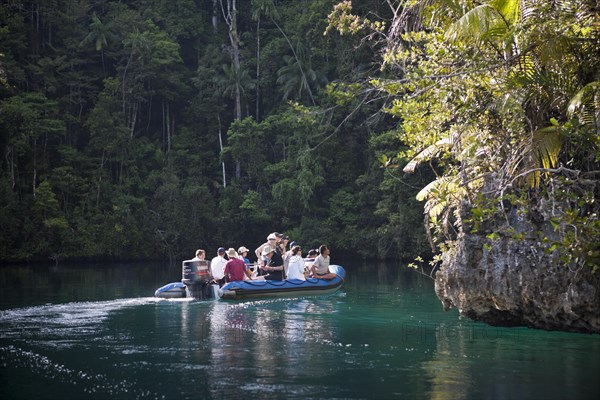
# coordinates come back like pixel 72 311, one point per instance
pixel 98 384
pixel 60 320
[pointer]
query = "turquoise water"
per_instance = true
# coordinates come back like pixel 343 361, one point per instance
pixel 95 332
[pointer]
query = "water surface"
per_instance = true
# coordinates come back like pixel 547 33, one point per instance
pixel 96 332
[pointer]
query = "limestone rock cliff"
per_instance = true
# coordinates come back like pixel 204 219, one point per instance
pixel 513 282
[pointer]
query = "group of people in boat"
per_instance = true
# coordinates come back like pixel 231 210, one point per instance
pixel 275 262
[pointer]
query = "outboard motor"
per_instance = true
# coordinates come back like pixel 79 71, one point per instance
pixel 196 275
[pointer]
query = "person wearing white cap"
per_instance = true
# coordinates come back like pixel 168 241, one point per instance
pixel 271 242
pixel 242 253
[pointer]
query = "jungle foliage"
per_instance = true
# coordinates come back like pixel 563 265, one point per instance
pixel 148 129
pixel 502 99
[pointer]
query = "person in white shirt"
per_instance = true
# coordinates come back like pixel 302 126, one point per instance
pixel 320 268
pixel 217 266
pixel 295 268
pixel 200 255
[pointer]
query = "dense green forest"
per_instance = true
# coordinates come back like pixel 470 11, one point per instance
pixel 149 128
pixel 138 129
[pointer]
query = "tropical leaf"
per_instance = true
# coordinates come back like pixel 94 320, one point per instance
pixel 546 144
pixel 427 154
pixel 586 104
pixel 509 9
pixel 443 187
pixel 475 24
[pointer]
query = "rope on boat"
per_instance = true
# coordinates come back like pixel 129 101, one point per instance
pixel 296 282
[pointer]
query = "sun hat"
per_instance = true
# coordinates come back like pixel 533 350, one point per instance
pixel 242 250
pixel 271 237
pixel 231 252
pixel 267 250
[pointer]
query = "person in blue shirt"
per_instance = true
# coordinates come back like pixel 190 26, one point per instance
pixel 243 255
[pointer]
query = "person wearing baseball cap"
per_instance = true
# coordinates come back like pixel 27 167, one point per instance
pixel 243 255
pixel 271 242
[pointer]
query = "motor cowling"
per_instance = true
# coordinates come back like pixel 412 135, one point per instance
pixel 195 271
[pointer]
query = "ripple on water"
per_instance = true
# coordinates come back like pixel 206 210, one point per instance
pixel 93 384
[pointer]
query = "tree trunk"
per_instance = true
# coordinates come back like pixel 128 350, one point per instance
pixel 99 181
pixel 231 20
pixel 258 70
pixel 214 16
pixel 221 147
pixel 34 166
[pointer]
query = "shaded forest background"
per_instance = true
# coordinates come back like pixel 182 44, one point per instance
pixel 148 129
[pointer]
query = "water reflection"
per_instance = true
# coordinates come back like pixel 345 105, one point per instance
pixel 385 335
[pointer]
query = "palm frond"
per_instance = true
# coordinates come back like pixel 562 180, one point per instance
pixel 442 195
pixel 509 9
pixel 427 154
pixel 586 104
pixel 541 151
pixel 476 23
pixel 546 144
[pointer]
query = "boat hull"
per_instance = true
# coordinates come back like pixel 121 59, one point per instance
pixel 287 288
pixel 254 289
pixel 175 290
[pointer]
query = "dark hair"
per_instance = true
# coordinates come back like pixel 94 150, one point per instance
pixel 322 248
pixel 296 249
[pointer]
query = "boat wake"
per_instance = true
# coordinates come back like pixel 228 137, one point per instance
pixel 92 384
pixel 60 318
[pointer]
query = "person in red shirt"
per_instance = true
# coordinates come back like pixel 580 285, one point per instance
pixel 235 269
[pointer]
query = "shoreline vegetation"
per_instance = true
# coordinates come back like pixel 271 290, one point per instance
pixel 395 130
pixel 135 130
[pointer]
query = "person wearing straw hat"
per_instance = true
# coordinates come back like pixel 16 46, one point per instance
pixel 235 269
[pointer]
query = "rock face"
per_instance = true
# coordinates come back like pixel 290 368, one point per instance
pixel 512 282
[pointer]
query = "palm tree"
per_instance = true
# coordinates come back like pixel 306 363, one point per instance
pixel 297 76
pixel 231 21
pixel 267 8
pixel 99 35
pixel 234 83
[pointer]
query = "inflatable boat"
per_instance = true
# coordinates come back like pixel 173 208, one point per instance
pixel 196 284
pixel 175 290
pixel 286 288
